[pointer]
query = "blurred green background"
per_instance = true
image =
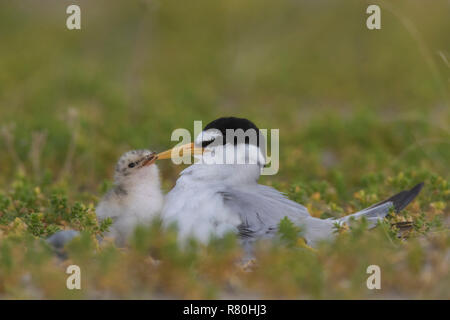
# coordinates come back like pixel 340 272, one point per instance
pixel 362 114
pixel 346 99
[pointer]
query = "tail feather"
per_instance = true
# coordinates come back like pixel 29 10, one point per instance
pixel 402 199
pixel 379 210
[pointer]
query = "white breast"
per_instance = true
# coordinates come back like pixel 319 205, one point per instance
pixel 197 209
pixel 142 203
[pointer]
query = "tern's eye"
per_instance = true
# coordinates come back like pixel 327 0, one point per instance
pixel 206 143
pixel 132 165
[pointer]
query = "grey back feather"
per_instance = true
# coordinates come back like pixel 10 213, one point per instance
pixel 261 208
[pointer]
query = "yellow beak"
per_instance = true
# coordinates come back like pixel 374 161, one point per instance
pixel 180 151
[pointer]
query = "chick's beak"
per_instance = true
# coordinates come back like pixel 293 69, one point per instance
pixel 180 151
pixel 150 159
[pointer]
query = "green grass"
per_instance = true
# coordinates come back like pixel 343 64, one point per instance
pixel 362 114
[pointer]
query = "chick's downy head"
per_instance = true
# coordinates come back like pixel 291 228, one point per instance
pixel 136 165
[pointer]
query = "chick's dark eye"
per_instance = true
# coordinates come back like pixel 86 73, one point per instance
pixel 132 165
pixel 206 143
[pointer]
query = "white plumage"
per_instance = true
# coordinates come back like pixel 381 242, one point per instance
pixel 217 195
pixel 212 198
pixel 136 197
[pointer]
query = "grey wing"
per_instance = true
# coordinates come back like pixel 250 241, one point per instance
pixel 261 208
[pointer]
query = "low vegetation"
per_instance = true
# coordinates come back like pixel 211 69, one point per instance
pixel 362 115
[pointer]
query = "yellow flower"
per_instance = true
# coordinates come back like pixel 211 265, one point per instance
pixel 17 227
pixel 37 190
pixel 315 196
pixel 438 206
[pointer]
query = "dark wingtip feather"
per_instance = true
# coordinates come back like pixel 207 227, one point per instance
pixel 403 198
pixel 402 202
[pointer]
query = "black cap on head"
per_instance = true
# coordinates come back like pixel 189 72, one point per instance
pixel 233 123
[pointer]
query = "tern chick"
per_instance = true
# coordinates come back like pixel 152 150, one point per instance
pixel 136 197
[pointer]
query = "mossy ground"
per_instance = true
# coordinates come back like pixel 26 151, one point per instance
pixel 362 115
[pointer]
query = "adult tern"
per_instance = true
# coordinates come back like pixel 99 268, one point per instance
pixel 213 197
